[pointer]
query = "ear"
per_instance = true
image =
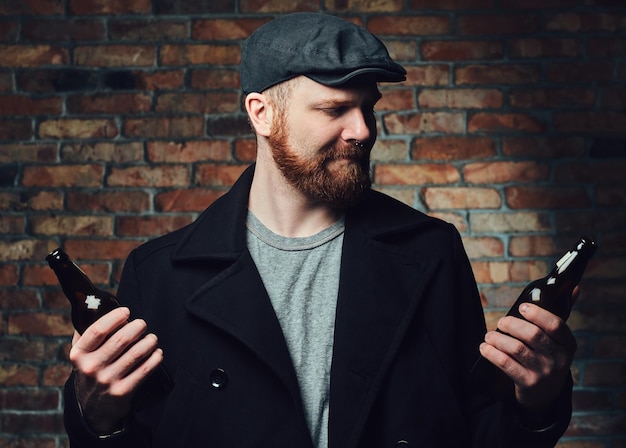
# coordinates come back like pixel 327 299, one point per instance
pixel 259 112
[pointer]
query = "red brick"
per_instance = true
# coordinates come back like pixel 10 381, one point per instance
pixel 502 122
pixel 19 56
pixel 15 129
pixel 508 271
pixel 109 7
pixel 194 200
pixel 150 225
pixel 590 400
pixel 63 128
pixel 605 374
pixel 564 21
pixel 265 6
pixel 427 75
pixel 117 249
pixel 483 247
pixel 396 99
pixel 604 21
pixel 56 374
pixel 218 174
pixel 391 150
pixel 149 176
pixel 21 423
pixel 63 176
pixel 228 126
pixel 546 197
pixel 460 98
pixel 553 98
pixel 532 246
pixel 59 30
pixel 198 103
pixel 504 172
pixel 28 152
pixel 539 147
pixel 72 225
pixel 461 50
pixel 415 174
pixel 6 82
pixel 160 80
pixel 452 148
pixel 610 346
pixel 24 249
pixel 451 4
pixel 25 105
pixel 409 25
pixel 113 103
pixel 12 374
pixel 148 30
pixel 245 150
pixel 102 152
pixel 606 47
pixel 12 299
pixel 510 222
pixel 418 123
pixel 224 29
pixel 590 122
pixel 35 200
pixel 23 350
pixel 196 54
pixel 189 151
pixel 214 79
pixel 498 24
pixel 402 50
pixel 437 198
pixel 9 274
pixel 32 7
pixel 497 74
pixel 12 225
pixel 598 220
pixel 610 196
pixel 364 6
pixel 164 127
pixel 613 98
pixel 598 172
pixel 539 4
pixel 532 48
pixel 108 201
pixel 115 56
pixel 29 400
pixel 579 71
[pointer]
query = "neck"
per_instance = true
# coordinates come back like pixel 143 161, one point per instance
pixel 283 209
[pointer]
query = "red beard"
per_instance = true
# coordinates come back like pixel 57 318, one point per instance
pixel 340 186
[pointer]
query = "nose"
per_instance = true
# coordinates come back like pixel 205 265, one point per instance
pixel 359 125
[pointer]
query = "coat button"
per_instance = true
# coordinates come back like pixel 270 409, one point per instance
pixel 218 378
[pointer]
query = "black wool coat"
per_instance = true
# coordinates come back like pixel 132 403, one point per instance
pixel 408 325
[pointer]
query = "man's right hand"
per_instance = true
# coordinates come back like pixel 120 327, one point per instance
pixel 111 359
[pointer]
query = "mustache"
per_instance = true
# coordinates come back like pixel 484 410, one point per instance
pixel 347 150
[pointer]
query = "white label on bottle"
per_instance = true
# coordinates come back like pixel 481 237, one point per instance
pixel 551 281
pixel 93 303
pixel 535 295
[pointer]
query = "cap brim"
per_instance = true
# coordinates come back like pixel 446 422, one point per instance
pixel 337 79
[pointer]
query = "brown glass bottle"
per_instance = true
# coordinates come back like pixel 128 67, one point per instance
pixel 88 305
pixel 88 302
pixel 554 291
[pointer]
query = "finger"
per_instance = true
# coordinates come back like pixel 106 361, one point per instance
pixel 100 330
pixel 502 361
pixel 124 338
pixel 133 357
pixel 137 376
pixel 551 324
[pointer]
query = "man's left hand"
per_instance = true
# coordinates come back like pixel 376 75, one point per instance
pixel 535 353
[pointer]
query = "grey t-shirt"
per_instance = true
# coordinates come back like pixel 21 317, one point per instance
pixel 301 276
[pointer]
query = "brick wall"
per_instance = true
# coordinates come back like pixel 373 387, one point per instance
pixel 121 120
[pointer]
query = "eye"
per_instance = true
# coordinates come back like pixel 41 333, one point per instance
pixel 334 111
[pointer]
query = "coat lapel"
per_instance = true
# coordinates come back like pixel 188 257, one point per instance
pixel 380 288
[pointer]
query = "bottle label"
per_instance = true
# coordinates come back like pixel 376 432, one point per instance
pixel 93 303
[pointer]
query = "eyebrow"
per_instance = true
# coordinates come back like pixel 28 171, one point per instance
pixel 332 102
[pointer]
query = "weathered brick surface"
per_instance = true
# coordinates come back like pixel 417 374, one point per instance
pixel 122 120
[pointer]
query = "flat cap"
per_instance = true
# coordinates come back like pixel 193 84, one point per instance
pixel 325 48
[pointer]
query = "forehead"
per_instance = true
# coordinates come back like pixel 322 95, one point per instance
pixel 361 90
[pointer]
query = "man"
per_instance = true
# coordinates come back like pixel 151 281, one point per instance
pixel 303 309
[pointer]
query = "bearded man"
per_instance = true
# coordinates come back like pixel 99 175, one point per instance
pixel 303 309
